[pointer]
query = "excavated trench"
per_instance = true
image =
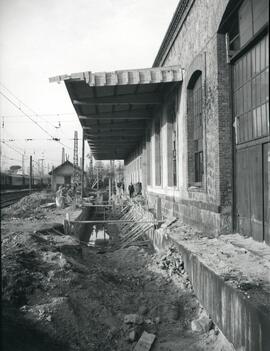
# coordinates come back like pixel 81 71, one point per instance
pixel 93 234
pixel 161 298
pixel 77 299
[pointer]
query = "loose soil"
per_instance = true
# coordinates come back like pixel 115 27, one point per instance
pixel 241 261
pixel 59 294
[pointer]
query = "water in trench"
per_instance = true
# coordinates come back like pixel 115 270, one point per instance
pixel 98 236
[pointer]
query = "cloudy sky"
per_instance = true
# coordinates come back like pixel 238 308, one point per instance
pixel 43 38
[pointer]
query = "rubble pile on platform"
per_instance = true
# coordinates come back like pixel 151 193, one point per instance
pixel 28 206
pixel 172 262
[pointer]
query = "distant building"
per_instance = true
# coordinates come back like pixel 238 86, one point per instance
pixel 62 175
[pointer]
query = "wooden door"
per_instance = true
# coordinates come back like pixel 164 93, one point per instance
pixel 249 193
pixel 266 190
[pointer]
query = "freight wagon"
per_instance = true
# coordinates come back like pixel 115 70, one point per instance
pixel 18 181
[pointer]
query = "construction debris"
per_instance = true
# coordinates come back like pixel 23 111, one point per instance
pixel 133 319
pixel 172 262
pixel 28 206
pixel 202 324
pixel 146 341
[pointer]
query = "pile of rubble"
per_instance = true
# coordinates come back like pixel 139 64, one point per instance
pixel 172 262
pixel 28 206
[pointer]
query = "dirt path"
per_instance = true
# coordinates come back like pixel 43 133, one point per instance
pixel 60 295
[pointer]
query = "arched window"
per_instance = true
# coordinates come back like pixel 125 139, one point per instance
pixel 195 129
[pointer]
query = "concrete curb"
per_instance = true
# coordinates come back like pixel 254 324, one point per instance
pixel 244 323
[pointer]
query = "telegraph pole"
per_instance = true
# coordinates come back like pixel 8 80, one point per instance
pixel 23 164
pixel 52 183
pixel 41 167
pixel 30 173
pixel 63 154
pixel 82 163
pixel 97 179
pixel 110 182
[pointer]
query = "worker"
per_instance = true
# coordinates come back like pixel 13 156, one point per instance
pixel 131 189
pixel 60 203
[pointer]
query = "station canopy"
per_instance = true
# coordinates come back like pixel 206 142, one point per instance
pixel 115 107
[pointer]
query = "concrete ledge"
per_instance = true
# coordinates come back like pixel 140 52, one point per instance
pixel 243 321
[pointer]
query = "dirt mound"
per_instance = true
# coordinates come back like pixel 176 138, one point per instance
pixel 28 206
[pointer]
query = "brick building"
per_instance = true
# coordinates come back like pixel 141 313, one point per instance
pixel 194 128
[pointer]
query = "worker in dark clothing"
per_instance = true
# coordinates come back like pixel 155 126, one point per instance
pixel 131 190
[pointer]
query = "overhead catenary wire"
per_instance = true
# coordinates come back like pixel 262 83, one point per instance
pixel 29 108
pixel 11 147
pixel 34 112
pixel 43 115
pixel 20 147
pixel 11 158
pixel 34 139
pixel 35 122
pixel 22 154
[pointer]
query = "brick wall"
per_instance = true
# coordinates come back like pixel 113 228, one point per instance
pixel 198 46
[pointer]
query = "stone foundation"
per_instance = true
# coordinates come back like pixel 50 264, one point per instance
pixel 206 217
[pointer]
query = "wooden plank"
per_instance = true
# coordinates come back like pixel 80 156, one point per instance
pixel 91 205
pixel 256 191
pixel 116 221
pixel 242 194
pixel 145 343
pixel 249 191
pixel 266 191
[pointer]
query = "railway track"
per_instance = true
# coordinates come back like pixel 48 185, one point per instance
pixel 9 197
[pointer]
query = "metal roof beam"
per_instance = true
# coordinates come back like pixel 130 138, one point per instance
pixel 138 99
pixel 114 133
pixel 118 115
pixel 116 143
pixel 118 126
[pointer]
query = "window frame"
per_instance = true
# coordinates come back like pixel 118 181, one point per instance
pixel 195 105
pixel 244 108
pixel 158 152
pixel 234 37
pixel 171 114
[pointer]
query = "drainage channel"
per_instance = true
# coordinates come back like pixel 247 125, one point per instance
pixel 162 306
pixel 96 223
